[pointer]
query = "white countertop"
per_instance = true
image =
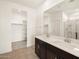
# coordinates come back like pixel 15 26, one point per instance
pixel 72 48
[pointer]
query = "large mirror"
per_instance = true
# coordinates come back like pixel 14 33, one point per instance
pixel 63 19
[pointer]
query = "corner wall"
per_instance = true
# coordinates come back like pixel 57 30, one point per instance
pixel 5 25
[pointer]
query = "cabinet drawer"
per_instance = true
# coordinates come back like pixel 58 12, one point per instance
pixel 37 47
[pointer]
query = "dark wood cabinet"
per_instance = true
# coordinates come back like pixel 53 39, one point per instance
pixel 43 51
pixel 51 55
pixel 40 48
pixel 37 47
pixel 46 51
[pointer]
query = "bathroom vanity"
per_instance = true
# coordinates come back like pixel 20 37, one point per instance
pixel 60 20
pixel 54 47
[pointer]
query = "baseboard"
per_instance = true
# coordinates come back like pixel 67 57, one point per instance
pixel 6 51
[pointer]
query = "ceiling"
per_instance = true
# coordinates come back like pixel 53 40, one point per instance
pixel 29 3
pixel 70 7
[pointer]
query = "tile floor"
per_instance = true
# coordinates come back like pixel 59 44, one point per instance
pixel 20 51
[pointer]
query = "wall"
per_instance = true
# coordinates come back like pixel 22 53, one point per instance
pixel 5 35
pixel 6 15
pixel 39 23
pixel 31 27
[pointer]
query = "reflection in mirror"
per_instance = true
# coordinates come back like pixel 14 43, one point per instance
pixel 64 19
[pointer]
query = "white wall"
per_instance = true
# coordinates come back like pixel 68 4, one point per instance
pixel 39 23
pixel 5 29
pixel 31 27
pixel 6 16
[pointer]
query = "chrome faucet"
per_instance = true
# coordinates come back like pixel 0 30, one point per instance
pixel 68 40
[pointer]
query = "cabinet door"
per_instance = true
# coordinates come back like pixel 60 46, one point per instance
pixel 37 47
pixel 43 51
pixel 40 48
pixel 51 55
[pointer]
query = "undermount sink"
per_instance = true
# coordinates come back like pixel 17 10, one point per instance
pixel 77 49
pixel 67 40
pixel 68 44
